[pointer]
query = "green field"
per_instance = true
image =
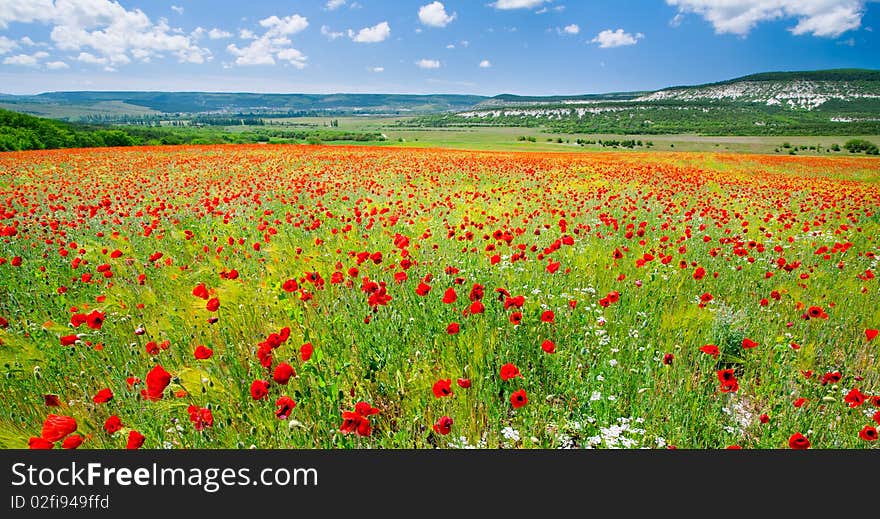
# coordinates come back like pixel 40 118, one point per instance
pixel 503 138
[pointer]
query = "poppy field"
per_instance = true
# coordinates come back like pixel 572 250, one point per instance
pixel 292 296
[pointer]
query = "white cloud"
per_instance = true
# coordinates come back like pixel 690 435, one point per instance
pixel 177 9
pixel 57 65
pixel 485 64
pixel 676 20
pixel 218 34
pixel 609 39
pixel 826 18
pixel 333 5
pixel 294 57
pixel 325 31
pixel 285 26
pixel 558 9
pixel 246 34
pixel 25 11
pixel 26 60
pixel 434 15
pixel 91 59
pixel 6 44
pixel 27 41
pixel 377 69
pixel 428 63
pixel 272 44
pixel 571 29
pixel 517 4
pixel 379 32
pixel 105 28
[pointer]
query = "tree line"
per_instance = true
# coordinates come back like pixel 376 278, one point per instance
pixel 25 132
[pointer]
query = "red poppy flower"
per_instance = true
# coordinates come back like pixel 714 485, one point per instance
pixel 868 433
pixel 710 349
pixel 202 352
pixel 69 340
pixel 452 329
pixel 102 396
pixel 259 389
pixel 855 398
pixel 548 346
pixel 135 440
pixel 800 402
pixel 509 371
pixel 157 380
pixel 51 400
pixel 290 285
pixel 548 316
pixel 477 307
pixel 3 323
pixel 519 398
pixel 57 427
pixel 282 374
pixel 668 358
pixel 358 420
pixel 798 441
pixel 423 289
pixel 73 441
pixel 464 383
pixel 39 444
pixel 443 425
pixel 442 387
pixel 699 273
pixel 95 320
pixel 200 417
pixel 477 292
pixel 353 422
pixel 201 291
pixel 517 301
pixel 832 377
pixel 213 305
pixel 78 319
pixel 870 334
pixel 729 383
pixel 284 406
pixel 306 351
pixel 112 424
pixel 764 418
pixel 748 343
pixel 450 296
pixel 516 318
pixel 365 409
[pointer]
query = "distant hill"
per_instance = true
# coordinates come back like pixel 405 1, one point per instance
pixel 504 99
pixel 835 102
pixel 81 105
pixel 831 102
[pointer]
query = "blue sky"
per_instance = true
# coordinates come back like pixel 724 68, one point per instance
pixel 532 47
